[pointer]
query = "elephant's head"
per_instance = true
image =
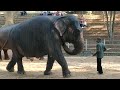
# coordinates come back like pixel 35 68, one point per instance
pixel 71 32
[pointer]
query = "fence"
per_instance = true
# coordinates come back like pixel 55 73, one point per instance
pixel 90 48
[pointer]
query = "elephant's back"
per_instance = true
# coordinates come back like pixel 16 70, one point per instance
pixel 6 31
pixel 32 35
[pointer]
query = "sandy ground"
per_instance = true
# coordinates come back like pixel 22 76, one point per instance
pixel 80 67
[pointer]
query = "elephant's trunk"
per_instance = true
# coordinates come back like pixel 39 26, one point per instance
pixel 78 46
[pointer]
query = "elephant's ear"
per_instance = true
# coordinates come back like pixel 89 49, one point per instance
pixel 60 25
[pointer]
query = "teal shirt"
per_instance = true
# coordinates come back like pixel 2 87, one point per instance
pixel 100 47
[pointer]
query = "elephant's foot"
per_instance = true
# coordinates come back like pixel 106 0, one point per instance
pixel 66 74
pixel 10 69
pixel 21 72
pixel 47 72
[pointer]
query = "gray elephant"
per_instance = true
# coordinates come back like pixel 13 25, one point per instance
pixel 5 44
pixel 44 35
pixel 5 41
pixel 6 56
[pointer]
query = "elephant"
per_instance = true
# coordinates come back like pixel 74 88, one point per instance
pixel 44 35
pixel 6 56
pixel 4 43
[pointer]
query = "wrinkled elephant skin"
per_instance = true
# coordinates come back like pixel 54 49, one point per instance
pixel 43 35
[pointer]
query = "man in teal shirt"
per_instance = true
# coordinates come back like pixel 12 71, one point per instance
pixel 100 48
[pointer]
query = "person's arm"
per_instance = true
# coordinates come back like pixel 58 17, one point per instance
pixel 95 54
pixel 105 48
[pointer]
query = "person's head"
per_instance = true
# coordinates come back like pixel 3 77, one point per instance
pixel 81 16
pixel 98 40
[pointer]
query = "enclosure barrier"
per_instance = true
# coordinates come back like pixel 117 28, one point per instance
pixel 90 48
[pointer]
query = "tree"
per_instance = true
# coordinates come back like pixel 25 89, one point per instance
pixel 110 21
pixel 9 17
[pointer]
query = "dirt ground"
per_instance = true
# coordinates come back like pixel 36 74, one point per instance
pixel 80 67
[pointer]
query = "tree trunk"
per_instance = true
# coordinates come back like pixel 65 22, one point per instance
pixel 107 24
pixel 110 26
pixel 110 16
pixel 104 18
pixel 114 12
pixel 9 17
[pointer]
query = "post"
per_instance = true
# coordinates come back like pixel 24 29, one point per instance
pixel 104 41
pixel 86 44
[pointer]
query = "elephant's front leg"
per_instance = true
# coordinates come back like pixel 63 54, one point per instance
pixel 61 60
pixel 49 66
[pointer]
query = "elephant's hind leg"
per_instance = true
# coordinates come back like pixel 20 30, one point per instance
pixel 6 54
pixel 0 55
pixel 20 66
pixel 16 58
pixel 11 64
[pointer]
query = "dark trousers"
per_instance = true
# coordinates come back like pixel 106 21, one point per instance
pixel 99 67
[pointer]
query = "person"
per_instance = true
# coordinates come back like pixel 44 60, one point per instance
pixel 49 13
pixel 83 22
pixel 23 13
pixel 45 13
pixel 100 48
pixel 57 13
